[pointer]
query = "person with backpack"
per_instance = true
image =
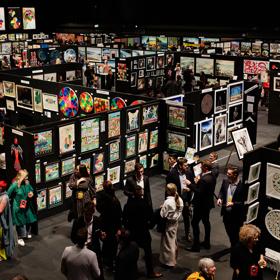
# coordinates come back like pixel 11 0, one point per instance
pixel 207 270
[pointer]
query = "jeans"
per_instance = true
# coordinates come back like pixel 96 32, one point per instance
pixel 23 230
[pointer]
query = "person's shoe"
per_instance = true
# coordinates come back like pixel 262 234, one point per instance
pixel 193 249
pixel 155 275
pixel 205 245
pixel 29 236
pixel 166 266
pixel 21 242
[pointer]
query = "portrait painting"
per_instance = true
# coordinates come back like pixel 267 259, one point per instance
pixel 150 63
pixel 273 180
pixel 252 213
pixel 206 134
pixel 254 172
pixel 220 132
pixel 141 63
pixel 276 83
pixel 253 193
pixel 220 100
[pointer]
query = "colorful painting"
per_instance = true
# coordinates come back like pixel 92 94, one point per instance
pixel 130 146
pixel 2 19
pixel 42 199
pixel 113 174
pixel 87 163
pixel 37 100
pixel 224 68
pixel 137 102
pixel 50 102
pixel 176 141
pixel 114 124
pixel 220 134
pixel 144 161
pixel 153 139
pixel 114 151
pixel 117 103
pixel 150 114
pixel 101 105
pixel 255 66
pixel 133 119
pixel 14 18
pixel 89 135
pixel 86 102
pixel 66 138
pixel 52 171
pixel 205 65
pixel 143 141
pixel 98 162
pixel 9 89
pixel 55 196
pixel 38 172
pixel 28 18
pixel 129 166
pixel 43 143
pixel 68 166
pixel 24 97
pixel 122 72
pixel 235 92
pixel 177 116
pixel 206 134
pixel 99 180
pixel 220 100
pixel 160 61
pixel 68 102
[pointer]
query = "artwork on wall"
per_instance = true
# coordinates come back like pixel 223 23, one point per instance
pixel 154 160
pixel 10 105
pixel 187 63
pixel 133 119
pixel 98 182
pixel 89 135
pixel 252 213
pixel 117 103
pixel 66 138
pixel 165 157
pixel 143 141
pixel 50 102
pixel 114 151
pixel 160 61
pixel 130 145
pixel 141 83
pixel 68 166
pixel 141 73
pixel 276 83
pixel 2 19
pixel 220 132
pixel 42 199
pixel 50 77
pixel 224 68
pixel 51 171
pixel 122 72
pixel 176 141
pixel 153 139
pixel 43 143
pixel 273 180
pixel 24 97
pixel 230 129
pixel 197 169
pixel 87 163
pixel 253 193
pixel 98 162
pixel 113 174
pixel 68 102
pixel 38 172
pixel 254 172
pixel 101 105
pixel 242 141
pixel 235 113
pixel 14 18
pixel 143 160
pixel 206 134
pixel 86 102
pixel 205 65
pixel 129 166
pixel 254 67
pixel 28 18
pixel 150 63
pixel 55 196
pixel 133 79
pixel 206 104
pixel 272 219
pixel 114 124
pixel 235 92
pixel 9 89
pixel 220 100
pixel 150 114
pixel 38 100
pixel 177 116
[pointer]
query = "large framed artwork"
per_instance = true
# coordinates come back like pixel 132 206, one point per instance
pixel 2 19
pixel 253 193
pixel 276 83
pixel 205 65
pixel 187 63
pixel 87 163
pixel 177 116
pixel 114 151
pixel 14 18
pixel 113 174
pixel 220 100
pixel 273 180
pixel 114 124
pixel 24 97
pixel 254 67
pixel 220 133
pixel 272 219
pixel 50 102
pixel 68 102
pixel 43 142
pixel 252 213
pixel 38 100
pixel 133 119
pixel 89 135
pixel 254 172
pixel 55 196
pixel 224 68
pixel 176 141
pixel 130 145
pixel 153 139
pixel 235 113
pixel 150 114
pixel 66 138
pixel 51 171
pixel 129 166
pixel 98 162
pixel 143 141
pixel 42 199
pixel 9 89
pixel 242 141
pixel 206 134
pixel 28 18
pixel 68 166
pixel 235 92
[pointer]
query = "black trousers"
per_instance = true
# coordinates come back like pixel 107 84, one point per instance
pixel 186 213
pixel 232 227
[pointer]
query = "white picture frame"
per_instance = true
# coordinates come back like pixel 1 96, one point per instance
pixel 206 134
pixel 254 172
pixel 66 138
pixel 276 84
pixel 252 213
pixel 220 100
pixel 273 180
pixel 113 174
pixel 50 102
pixel 253 193
pixel 220 129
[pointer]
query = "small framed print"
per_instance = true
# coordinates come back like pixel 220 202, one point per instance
pixel 253 193
pixel 89 135
pixel 9 89
pixel 113 174
pixel 177 116
pixel 133 79
pixel 114 151
pixel 129 166
pixel 254 172
pixel 38 100
pixel 50 102
pixel 68 166
pixel 52 171
pixel 43 142
pixel 66 138
pixel 276 83
pixel 143 161
pixel 98 182
pixel 114 124
pixel 24 97
pixel 143 141
pixel 176 141
pixel 132 119
pixel 153 139
pixel 235 92
pixel 130 146
pixel 206 134
pixel 141 63
pixel 150 114
pixel 273 180
pixel 87 163
pixel 235 113
pixel 141 73
pixel 150 63
pixel 154 160
pixel 141 83
pixel 252 213
pixel 42 199
pixel 98 162
pixel 220 134
pixel 220 100
pixel 55 196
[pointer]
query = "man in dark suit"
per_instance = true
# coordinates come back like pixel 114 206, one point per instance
pixel 203 202
pixel 179 175
pixel 141 180
pixel 231 199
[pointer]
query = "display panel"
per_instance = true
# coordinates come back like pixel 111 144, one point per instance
pixel 89 135
pixel 43 143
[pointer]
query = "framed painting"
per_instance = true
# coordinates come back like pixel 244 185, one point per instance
pixel 242 141
pixel 253 193
pixel 205 65
pixel 50 77
pixel 220 132
pixel 2 19
pixel 132 119
pixel 154 160
pixel 24 97
pixel 50 102
pixel 220 100
pixel 143 141
pixel 87 163
pixel 43 142
pixel 206 104
pixel 98 182
pixel 51 171
pixel 68 166
pixel 141 73
pixel 224 68
pixel 55 196
pixel 276 83
pixel 66 138
pixel 177 116
pixel 153 139
pixel 9 89
pixel 165 156
pixel 14 18
pixel 89 135
pixel 133 79
pixel 150 63
pixel 206 134
pixel 150 114
pixel 101 104
pixel 114 124
pixel 113 174
pixel 143 160
pixel 98 162
pixel 273 180
pixel 114 151
pixel 229 130
pixel 235 92
pixel 28 18
pixel 42 199
pixel 140 83
pixel 187 63
pixel 160 61
pixel 176 141
pixel 141 63
pixel 252 213
pixel 254 67
pixel 130 145
pixel 38 100
pixel 129 166
pixel 235 113
pixel 38 172
pixel 254 172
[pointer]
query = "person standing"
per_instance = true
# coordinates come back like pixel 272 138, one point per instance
pixel 231 199
pixel 213 158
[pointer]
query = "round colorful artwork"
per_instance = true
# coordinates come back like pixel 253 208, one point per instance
pixel 68 102
pixel 86 102
pixel 137 102
pixel 117 103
